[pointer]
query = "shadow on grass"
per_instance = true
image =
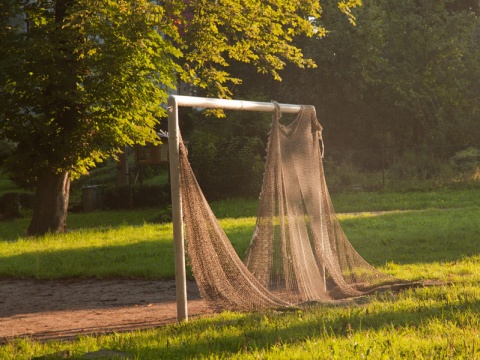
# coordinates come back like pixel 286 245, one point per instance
pixel 262 331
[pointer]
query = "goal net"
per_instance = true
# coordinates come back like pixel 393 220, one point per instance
pixel 298 251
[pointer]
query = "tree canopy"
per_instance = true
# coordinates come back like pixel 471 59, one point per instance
pixel 407 76
pixel 400 91
pixel 87 77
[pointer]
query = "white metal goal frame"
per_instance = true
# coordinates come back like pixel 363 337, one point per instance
pixel 174 101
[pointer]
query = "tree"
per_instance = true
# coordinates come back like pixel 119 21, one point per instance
pixel 406 76
pixel 80 83
pixel 89 76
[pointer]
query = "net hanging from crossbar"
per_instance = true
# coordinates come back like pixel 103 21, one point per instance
pixel 298 252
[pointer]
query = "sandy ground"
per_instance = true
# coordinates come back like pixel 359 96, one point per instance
pixel 63 309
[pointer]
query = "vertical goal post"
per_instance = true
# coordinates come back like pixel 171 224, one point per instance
pixel 174 101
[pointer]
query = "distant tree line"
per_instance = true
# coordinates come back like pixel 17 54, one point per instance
pixel 406 77
pixel 402 82
pixel 86 77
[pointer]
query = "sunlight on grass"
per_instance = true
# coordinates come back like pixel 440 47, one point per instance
pixel 400 243
pixel 426 240
pixel 144 251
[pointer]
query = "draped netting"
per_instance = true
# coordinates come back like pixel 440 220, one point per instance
pixel 298 252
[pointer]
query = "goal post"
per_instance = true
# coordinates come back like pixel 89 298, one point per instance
pixel 174 101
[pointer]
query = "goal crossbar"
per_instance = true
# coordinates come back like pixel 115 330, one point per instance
pixel 174 101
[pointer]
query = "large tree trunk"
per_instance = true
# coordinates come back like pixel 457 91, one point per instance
pixel 51 203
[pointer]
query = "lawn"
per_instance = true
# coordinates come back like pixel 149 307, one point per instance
pixel 432 235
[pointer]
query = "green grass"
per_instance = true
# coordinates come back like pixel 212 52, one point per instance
pixel 98 244
pixel 429 323
pixel 433 235
pixel 416 236
pixel 127 243
pixel 387 201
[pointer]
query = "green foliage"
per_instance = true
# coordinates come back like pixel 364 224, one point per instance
pixel 227 166
pixel 406 77
pixel 10 205
pixel 260 33
pixel 467 159
pixel 81 79
pixel 89 76
pixel 6 185
pixel 6 147
pixel 414 167
pixel 341 174
pixel 83 82
pixel 227 155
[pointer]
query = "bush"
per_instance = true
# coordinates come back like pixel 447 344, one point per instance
pixel 466 160
pixel 342 175
pixel 6 147
pixel 150 195
pixel 415 166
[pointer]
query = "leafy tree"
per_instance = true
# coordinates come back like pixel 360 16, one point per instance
pixel 405 77
pixel 81 82
pixel 89 76
pixel 228 156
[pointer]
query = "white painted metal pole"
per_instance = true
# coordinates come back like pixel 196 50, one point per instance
pixel 200 102
pixel 177 216
pixel 174 101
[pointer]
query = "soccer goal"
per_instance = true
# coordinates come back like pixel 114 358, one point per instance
pixel 298 252
pixel 174 101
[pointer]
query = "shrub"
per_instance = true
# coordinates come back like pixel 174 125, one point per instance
pixel 466 160
pixel 150 195
pixel 6 147
pixel 342 175
pixel 414 166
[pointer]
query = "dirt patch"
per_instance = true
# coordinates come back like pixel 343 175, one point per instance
pixel 63 309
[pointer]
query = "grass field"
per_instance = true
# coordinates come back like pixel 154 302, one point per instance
pixel 431 235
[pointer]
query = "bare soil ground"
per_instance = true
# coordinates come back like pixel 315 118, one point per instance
pixel 66 308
